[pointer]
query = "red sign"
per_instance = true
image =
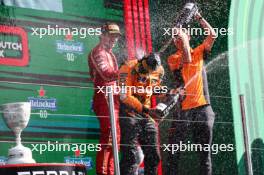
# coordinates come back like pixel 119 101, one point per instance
pixel 21 45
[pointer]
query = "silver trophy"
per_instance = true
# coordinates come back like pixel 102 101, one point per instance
pixel 16 117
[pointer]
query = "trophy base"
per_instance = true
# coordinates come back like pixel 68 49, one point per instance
pixel 20 155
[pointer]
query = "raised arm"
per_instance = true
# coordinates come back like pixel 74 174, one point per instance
pixel 209 40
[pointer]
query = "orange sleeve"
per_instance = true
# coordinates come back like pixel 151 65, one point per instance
pixel 174 61
pixel 126 95
pixel 199 52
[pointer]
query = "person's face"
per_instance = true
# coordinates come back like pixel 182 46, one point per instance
pixel 178 42
pixel 110 40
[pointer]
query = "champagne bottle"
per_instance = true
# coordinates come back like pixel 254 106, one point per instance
pixel 186 14
pixel 164 108
pixel 184 17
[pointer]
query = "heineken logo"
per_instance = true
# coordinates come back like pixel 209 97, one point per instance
pixel 86 161
pixel 69 47
pixel 3 160
pixel 42 103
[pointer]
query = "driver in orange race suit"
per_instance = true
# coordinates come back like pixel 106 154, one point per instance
pixel 136 116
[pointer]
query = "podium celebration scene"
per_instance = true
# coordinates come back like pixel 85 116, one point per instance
pixel 131 87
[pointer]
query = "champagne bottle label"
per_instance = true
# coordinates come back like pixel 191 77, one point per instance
pixel 164 109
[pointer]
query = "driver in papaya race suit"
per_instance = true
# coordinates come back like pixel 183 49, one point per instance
pixel 136 116
pixel 189 72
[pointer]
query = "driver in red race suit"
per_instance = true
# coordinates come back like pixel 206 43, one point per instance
pixel 104 72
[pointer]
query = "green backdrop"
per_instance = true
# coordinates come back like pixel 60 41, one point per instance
pixel 63 75
pixel 247 78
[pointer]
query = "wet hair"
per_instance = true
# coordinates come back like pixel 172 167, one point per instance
pixel 153 61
